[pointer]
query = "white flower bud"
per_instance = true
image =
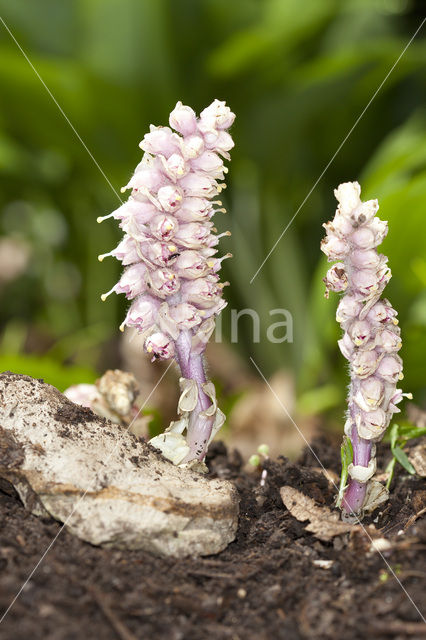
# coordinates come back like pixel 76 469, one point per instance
pixel 347 194
pixel 216 116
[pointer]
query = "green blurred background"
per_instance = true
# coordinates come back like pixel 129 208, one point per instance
pixel 298 75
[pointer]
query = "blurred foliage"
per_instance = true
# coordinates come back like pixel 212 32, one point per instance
pixel 297 76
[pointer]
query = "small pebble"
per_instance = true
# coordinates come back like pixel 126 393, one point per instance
pixel 381 544
pixel 323 564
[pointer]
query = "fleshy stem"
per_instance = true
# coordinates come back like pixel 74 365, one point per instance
pixel 354 496
pixel 199 426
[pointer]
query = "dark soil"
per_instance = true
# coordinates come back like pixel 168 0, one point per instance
pixel 267 585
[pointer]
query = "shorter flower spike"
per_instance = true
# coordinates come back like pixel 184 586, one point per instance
pixel 371 339
pixel 169 251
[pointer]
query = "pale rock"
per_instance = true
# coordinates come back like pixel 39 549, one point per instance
pixel 107 486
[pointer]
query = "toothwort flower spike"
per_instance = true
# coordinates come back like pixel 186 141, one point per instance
pixel 171 269
pixel 371 339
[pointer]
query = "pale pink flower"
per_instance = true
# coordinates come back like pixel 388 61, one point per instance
pixel 163 227
pixel 389 340
pixel 160 141
pixel 191 264
pixel 163 282
pixel 183 119
pixel 349 307
pixel 160 346
pixel 142 313
pixel 370 393
pixel 334 247
pixel 390 369
pixel 132 282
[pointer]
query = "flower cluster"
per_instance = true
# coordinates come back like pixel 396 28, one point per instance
pixel 170 245
pixel 371 339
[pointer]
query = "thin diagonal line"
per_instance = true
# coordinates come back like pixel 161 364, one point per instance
pixel 60 109
pixel 339 148
pixel 335 486
pixel 76 505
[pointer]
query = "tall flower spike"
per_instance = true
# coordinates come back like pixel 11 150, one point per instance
pixel 371 339
pixel 171 273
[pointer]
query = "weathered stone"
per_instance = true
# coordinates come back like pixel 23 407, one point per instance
pixel 107 486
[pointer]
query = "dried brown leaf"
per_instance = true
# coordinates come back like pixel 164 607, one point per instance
pixel 323 523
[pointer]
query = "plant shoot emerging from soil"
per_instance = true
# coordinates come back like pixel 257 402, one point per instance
pixel 171 269
pixel 370 343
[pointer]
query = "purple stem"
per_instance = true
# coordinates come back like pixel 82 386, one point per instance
pixel 200 427
pixel 355 493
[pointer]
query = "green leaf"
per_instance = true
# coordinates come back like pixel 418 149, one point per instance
pixel 401 456
pixel 279 28
pixel 156 424
pixel 403 432
pixel 393 434
pixel 346 455
pixel 348 449
pixel 408 432
pixel 51 371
